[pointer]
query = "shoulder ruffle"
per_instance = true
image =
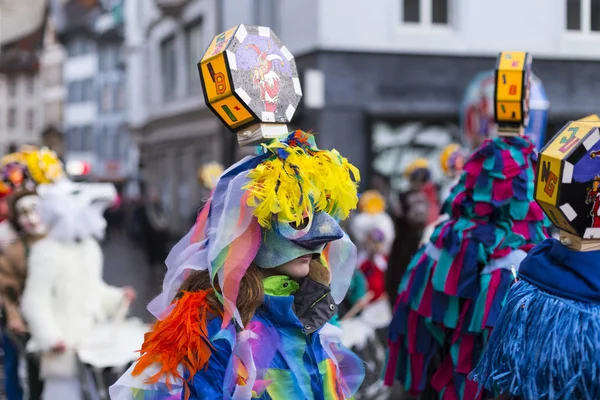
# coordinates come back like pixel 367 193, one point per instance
pixel 180 340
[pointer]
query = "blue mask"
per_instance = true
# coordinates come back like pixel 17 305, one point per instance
pixel 286 242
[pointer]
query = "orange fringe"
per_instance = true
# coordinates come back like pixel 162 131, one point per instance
pixel 179 339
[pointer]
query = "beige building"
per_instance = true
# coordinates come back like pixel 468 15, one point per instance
pixel 21 105
pixel 20 109
pixel 175 130
pixel 51 71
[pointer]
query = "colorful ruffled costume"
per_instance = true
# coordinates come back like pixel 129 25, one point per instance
pixel 265 210
pixel 546 345
pixel 455 286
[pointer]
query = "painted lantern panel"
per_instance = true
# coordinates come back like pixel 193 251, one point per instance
pixel 513 80
pixel 250 77
pixel 568 178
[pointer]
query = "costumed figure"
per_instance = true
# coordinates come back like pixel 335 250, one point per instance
pixel 373 232
pixel 452 160
pixel 208 176
pixel 593 197
pixel 546 342
pixel 21 172
pixel 417 208
pixel 65 299
pixel 9 324
pixel 250 289
pixel 455 286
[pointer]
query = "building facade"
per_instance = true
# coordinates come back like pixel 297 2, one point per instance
pixel 52 58
pixel 176 132
pixel 383 81
pixel 174 129
pixel 94 75
pixel 21 106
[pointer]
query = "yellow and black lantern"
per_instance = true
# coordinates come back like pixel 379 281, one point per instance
pixel 250 82
pixel 568 178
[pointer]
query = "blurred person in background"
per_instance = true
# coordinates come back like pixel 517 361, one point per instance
pixel 417 207
pixel 373 233
pixel 25 220
pixel 20 173
pixel 208 175
pixel 65 296
pixel 12 386
pixel 115 215
pixel 452 161
pixel 153 227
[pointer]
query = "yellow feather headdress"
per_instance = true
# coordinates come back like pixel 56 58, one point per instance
pixel 42 165
pixel 297 179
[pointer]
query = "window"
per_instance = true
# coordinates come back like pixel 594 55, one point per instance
pixel 573 15
pixel 108 58
pixel 116 155
pixel 439 11
pixel 79 46
pixel 266 13
pixel 102 58
pixel 53 113
pixel 411 9
pixel 30 120
pixel 74 139
pixel 72 48
pixel 124 150
pixel 87 139
pixel 595 11
pixel 86 46
pixel 583 16
pixel 52 76
pixel 426 12
pixel 120 97
pixel 12 117
pixel 108 147
pixel 100 143
pixel 74 94
pixel 30 84
pixel 195 48
pixel 106 101
pixel 168 66
pixel 87 90
pixel 12 87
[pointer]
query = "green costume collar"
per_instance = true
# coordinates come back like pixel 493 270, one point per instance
pixel 280 285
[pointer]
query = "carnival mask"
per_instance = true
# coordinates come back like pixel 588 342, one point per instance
pixel 27 210
pixel 288 241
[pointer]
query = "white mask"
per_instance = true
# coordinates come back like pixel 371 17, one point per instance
pixel 27 210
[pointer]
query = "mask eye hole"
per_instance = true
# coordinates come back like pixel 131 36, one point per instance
pixel 300 226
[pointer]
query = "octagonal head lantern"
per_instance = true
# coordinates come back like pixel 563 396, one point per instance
pixel 512 92
pixel 568 178
pixel 250 82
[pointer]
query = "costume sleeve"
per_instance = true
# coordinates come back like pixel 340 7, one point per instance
pixel 37 297
pixel 358 287
pixel 112 298
pixel 209 383
pixel 206 384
